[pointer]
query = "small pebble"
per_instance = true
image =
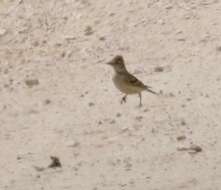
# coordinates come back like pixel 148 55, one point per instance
pixel 55 162
pixel 111 14
pixel 195 148
pixel 159 69
pixel 181 138
pixel 91 104
pixel 88 31
pixel 102 38
pixel 47 101
pixel 146 110
pixel 169 7
pixel 19 157
pixel 73 144
pixel 39 169
pixel 171 94
pixel 183 122
pixel 139 118
pixel 118 115
pixel 161 92
pixel 218 48
pixel 181 39
pixel 63 54
pixel 31 82
pixel 112 121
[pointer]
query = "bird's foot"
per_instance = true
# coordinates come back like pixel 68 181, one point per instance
pixel 139 105
pixel 123 100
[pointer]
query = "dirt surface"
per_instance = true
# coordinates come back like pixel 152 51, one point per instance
pixel 57 97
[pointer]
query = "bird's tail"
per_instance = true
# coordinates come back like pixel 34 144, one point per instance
pixel 148 88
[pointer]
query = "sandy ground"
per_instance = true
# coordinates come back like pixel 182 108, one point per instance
pixel 57 97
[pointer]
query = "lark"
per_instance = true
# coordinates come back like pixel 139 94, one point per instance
pixel 126 82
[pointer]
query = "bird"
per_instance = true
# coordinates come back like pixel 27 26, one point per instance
pixel 125 82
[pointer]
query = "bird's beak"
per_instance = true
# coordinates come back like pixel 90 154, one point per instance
pixel 110 63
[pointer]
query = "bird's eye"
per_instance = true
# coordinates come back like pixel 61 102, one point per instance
pixel 119 61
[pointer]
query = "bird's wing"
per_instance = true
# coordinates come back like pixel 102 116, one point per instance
pixel 134 81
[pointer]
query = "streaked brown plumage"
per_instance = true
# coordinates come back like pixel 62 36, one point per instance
pixel 126 82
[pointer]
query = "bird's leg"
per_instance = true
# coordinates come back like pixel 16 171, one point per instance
pixel 140 96
pixel 124 99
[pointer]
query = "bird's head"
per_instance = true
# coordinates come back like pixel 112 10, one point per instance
pixel 118 63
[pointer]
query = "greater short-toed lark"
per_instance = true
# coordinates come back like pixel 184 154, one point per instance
pixel 126 82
